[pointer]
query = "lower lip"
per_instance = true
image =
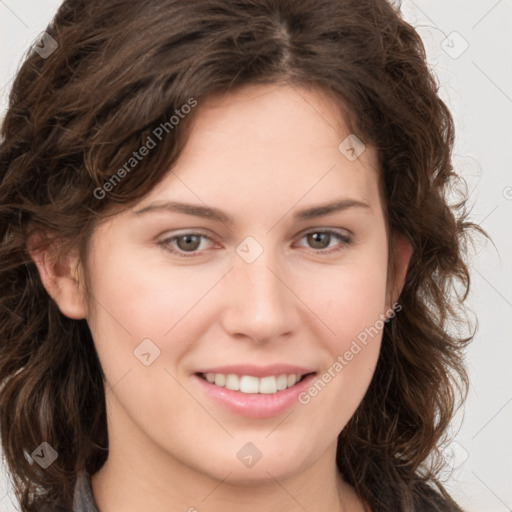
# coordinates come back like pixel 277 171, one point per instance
pixel 256 405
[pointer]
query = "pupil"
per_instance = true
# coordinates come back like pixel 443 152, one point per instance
pixel 315 238
pixel 189 239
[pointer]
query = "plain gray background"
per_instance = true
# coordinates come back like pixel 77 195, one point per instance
pixel 469 47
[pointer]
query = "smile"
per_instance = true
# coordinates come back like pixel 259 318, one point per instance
pixel 250 384
pixel 254 391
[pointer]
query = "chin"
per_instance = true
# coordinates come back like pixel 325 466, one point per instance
pixel 258 463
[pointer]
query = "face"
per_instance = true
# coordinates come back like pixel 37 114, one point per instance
pixel 241 326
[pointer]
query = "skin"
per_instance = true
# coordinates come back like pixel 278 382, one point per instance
pixel 260 154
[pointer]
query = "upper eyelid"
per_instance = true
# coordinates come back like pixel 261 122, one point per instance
pixel 327 229
pixel 166 238
pixel 198 231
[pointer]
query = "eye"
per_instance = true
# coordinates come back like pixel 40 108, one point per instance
pixel 321 240
pixel 184 243
pixel 187 245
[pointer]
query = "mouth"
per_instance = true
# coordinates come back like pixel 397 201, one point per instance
pixel 252 391
pixel 250 384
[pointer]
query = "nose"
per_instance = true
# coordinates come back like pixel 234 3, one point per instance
pixel 260 303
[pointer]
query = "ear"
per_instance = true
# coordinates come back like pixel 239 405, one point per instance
pixel 60 276
pixel 400 255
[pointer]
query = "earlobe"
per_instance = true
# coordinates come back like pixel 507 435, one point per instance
pixel 60 276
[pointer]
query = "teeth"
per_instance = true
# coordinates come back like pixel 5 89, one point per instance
pixel 282 382
pixel 249 384
pixel 220 380
pixel 292 379
pixel 268 385
pixel 232 382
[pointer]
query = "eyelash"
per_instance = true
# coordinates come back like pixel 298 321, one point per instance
pixel 344 239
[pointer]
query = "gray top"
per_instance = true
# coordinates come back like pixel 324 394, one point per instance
pixel 83 500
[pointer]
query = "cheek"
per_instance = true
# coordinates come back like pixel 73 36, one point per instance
pixel 352 303
pixel 134 301
pixel 351 300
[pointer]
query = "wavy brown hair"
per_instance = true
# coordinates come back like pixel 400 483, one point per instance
pixel 123 67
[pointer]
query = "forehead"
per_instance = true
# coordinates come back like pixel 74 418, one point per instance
pixel 271 143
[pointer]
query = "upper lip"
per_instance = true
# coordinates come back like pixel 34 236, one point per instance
pixel 258 371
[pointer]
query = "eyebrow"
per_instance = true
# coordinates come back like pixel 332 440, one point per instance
pixel 207 212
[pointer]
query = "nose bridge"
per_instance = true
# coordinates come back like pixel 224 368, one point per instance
pixel 260 281
pixel 260 305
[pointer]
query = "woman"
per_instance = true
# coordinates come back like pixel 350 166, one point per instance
pixel 226 255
